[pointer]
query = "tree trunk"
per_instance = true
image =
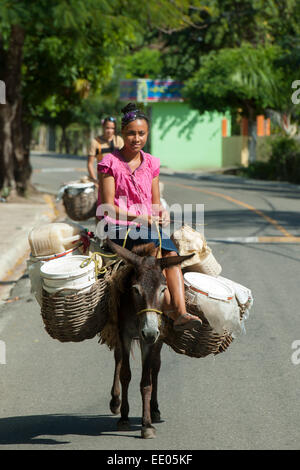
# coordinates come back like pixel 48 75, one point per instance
pixel 11 151
pixel 64 143
pixel 51 138
pixel 252 140
pixel 6 156
pixel 252 131
pixel 22 168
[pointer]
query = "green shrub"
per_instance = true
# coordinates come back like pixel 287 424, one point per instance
pixel 258 170
pixel 283 164
pixel 285 159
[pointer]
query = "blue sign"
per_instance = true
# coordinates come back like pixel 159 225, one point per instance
pixel 149 91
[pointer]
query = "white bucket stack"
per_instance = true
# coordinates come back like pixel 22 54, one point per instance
pixel 68 275
pixel 51 242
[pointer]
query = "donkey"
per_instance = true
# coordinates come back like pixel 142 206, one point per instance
pixel 140 316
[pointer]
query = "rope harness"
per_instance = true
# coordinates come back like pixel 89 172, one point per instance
pixel 150 310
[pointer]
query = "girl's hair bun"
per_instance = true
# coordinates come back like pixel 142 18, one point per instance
pixel 131 113
pixel 130 108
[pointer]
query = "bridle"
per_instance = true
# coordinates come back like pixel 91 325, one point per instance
pixel 149 310
pixel 155 310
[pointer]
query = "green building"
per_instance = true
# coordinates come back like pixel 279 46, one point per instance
pixel 179 136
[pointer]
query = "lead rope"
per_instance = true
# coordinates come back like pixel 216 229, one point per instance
pixel 159 252
pixel 158 255
pixel 103 270
pixel 93 257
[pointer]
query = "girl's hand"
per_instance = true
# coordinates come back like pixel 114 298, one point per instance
pixel 163 219
pixel 144 220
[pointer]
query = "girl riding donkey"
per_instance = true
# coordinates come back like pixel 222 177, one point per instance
pixel 129 197
pixel 129 206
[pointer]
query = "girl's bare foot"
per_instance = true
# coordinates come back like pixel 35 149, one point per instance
pixel 186 322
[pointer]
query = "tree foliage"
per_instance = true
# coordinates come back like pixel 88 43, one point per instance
pixel 142 64
pixel 55 53
pixel 244 78
pixel 227 24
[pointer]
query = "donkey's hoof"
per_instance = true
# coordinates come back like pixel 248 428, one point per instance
pixel 155 417
pixel 148 432
pixel 123 425
pixel 115 406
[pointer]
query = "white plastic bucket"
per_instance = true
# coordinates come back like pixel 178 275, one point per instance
pixel 216 300
pixel 34 264
pixel 66 274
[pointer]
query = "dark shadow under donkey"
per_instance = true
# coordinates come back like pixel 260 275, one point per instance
pixel 140 316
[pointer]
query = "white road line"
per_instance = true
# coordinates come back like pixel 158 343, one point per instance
pixel 54 170
pixel 244 240
pixel 234 240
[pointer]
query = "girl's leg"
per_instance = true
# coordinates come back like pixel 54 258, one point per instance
pixel 174 300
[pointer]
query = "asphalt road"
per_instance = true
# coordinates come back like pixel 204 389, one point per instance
pixel 56 396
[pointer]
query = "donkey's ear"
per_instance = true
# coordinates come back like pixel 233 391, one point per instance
pixel 169 261
pixel 127 255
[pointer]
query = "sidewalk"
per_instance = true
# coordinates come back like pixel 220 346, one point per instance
pixel 16 221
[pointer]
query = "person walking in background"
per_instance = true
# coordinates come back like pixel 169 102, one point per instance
pixel 106 143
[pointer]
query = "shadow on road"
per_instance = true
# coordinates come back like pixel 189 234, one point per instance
pixel 30 429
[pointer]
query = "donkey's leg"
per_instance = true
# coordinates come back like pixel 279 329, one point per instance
pixel 115 402
pixel 156 362
pixel 125 377
pixel 148 431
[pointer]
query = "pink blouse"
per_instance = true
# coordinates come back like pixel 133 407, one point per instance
pixel 133 190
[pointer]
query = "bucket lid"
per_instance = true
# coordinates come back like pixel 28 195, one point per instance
pixel 66 267
pixel 208 285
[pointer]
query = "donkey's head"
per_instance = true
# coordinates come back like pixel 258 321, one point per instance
pixel 147 285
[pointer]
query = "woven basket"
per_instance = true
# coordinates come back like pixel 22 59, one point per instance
pixel 198 342
pixel 81 206
pixel 76 317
